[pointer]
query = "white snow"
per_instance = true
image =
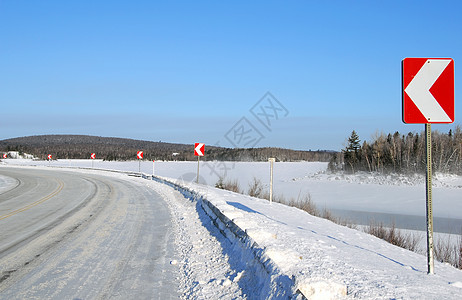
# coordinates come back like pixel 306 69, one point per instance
pixel 297 251
pixel 17 155
pixel 327 259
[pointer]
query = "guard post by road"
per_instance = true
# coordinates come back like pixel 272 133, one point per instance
pixel 271 160
pixel 139 155
pixel 199 150
pixel 92 158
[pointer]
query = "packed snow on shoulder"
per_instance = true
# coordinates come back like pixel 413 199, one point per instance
pixel 331 261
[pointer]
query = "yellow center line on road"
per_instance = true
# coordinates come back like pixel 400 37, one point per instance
pixel 30 205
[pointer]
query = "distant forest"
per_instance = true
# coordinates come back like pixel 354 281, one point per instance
pixel 108 148
pixel 401 153
pixel 385 153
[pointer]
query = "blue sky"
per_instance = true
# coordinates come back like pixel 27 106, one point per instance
pixel 190 71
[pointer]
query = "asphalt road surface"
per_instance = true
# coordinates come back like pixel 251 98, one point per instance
pixel 71 235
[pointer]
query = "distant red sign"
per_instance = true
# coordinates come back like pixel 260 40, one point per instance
pixel 139 155
pixel 49 157
pixel 5 155
pixel 199 149
pixel 93 156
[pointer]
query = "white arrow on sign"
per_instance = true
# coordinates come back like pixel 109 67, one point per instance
pixel 419 90
pixel 199 150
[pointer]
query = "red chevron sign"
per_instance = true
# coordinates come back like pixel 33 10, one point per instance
pixel 199 149
pixel 139 154
pixel 428 90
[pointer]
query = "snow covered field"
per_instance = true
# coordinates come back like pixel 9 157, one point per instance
pixel 324 260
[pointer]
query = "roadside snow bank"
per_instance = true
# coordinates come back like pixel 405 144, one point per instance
pixel 17 155
pixel 274 282
pixel 276 260
pixel 313 257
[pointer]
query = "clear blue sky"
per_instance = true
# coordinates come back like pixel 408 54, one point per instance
pixel 189 71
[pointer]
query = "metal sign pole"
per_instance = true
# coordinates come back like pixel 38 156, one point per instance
pixel 271 160
pixel 198 160
pixel 139 165
pixel 428 139
pixel 153 167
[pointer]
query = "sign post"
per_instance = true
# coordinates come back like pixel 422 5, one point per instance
pixel 139 155
pixel 271 160
pixel 199 150
pixel 153 167
pixel 428 97
pixel 429 202
pixel 92 157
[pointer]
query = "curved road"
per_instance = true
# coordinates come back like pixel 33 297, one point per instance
pixel 70 235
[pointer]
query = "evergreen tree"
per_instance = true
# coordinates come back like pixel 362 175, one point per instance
pixel 353 143
pixel 351 153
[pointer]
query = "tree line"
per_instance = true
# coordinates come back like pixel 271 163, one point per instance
pixel 262 154
pixel 401 153
pixel 81 146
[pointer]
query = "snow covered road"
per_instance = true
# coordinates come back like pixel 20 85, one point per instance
pixel 87 236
